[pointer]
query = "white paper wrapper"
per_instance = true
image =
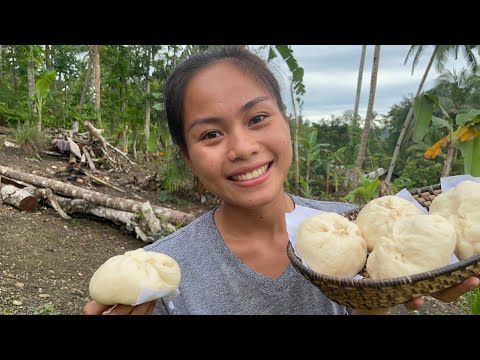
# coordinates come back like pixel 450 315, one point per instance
pixel 452 181
pixel 294 219
pixel 146 295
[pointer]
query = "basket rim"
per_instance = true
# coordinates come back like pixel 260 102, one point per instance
pixel 390 282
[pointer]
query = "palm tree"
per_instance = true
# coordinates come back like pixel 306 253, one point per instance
pixel 440 55
pixel 359 81
pixel 371 100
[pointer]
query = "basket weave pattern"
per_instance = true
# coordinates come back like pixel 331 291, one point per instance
pixel 371 294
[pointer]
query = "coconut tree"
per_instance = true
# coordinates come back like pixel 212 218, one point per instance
pixel 371 100
pixel 359 80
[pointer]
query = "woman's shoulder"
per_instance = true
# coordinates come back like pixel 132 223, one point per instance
pixel 330 206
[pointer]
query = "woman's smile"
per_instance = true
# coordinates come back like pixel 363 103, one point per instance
pixel 249 178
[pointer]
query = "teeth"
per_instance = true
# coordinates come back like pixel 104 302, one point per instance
pixel 251 175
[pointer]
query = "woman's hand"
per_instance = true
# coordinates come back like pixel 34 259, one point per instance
pixel 95 308
pixel 448 295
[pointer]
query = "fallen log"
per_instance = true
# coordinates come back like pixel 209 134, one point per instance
pixel 18 198
pixel 95 197
pixel 94 132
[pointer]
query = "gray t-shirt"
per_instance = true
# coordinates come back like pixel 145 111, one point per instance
pixel 216 282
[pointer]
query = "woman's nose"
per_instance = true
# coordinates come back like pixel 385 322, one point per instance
pixel 242 144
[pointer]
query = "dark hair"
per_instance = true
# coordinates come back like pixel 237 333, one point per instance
pixel 178 80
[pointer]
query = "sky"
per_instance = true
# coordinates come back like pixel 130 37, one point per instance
pixel 331 73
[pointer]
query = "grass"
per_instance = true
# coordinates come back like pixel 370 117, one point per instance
pixel 473 301
pixel 46 309
pixel 29 137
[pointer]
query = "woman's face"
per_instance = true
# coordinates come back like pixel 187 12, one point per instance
pixel 238 142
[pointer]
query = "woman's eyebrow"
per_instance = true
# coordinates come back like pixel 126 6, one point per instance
pixel 215 120
pixel 252 103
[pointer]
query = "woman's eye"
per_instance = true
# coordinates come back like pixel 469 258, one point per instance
pixel 211 135
pixel 256 119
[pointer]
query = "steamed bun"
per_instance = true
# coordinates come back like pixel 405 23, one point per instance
pixel 461 207
pixel 416 244
pixel 378 216
pixel 330 244
pixel 120 278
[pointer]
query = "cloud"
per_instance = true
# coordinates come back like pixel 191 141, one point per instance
pixel 331 73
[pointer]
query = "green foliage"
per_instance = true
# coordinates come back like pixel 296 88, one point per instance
pixel 422 172
pixel 11 116
pixel 166 197
pixel 365 192
pixel 422 110
pixel 473 301
pixel 47 309
pixel 297 72
pixel 466 118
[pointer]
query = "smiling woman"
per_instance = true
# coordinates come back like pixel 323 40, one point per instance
pixel 226 114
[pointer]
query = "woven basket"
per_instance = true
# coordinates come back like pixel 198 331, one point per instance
pixel 371 294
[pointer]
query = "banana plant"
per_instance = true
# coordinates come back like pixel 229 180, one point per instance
pixel 464 132
pixel 366 191
pixel 42 88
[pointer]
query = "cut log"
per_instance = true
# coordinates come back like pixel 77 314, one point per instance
pixel 89 160
pixel 120 152
pixel 151 220
pixel 41 194
pixel 95 133
pixel 83 160
pixel 74 148
pixel 18 198
pixel 95 197
pixel 72 160
pixel 53 153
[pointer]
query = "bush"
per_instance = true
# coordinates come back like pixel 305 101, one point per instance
pixel 9 116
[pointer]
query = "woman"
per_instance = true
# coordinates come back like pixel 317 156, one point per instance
pixel 225 112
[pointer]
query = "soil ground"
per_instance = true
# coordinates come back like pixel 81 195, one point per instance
pixel 46 262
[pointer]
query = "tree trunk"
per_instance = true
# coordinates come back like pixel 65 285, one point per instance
pixel 134 143
pixel 86 82
pixel 48 57
pixel 371 100
pixel 18 198
pixel 1 64
pixel 359 81
pixel 94 197
pixel 31 82
pixel 95 49
pixel 327 182
pixel 14 70
pixel 147 101
pixel 297 166
pixel 448 161
pixel 407 121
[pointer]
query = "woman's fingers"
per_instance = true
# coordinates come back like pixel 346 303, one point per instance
pixel 414 304
pixel 94 308
pixel 144 309
pixel 453 293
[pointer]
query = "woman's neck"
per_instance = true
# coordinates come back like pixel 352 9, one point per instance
pixel 268 219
